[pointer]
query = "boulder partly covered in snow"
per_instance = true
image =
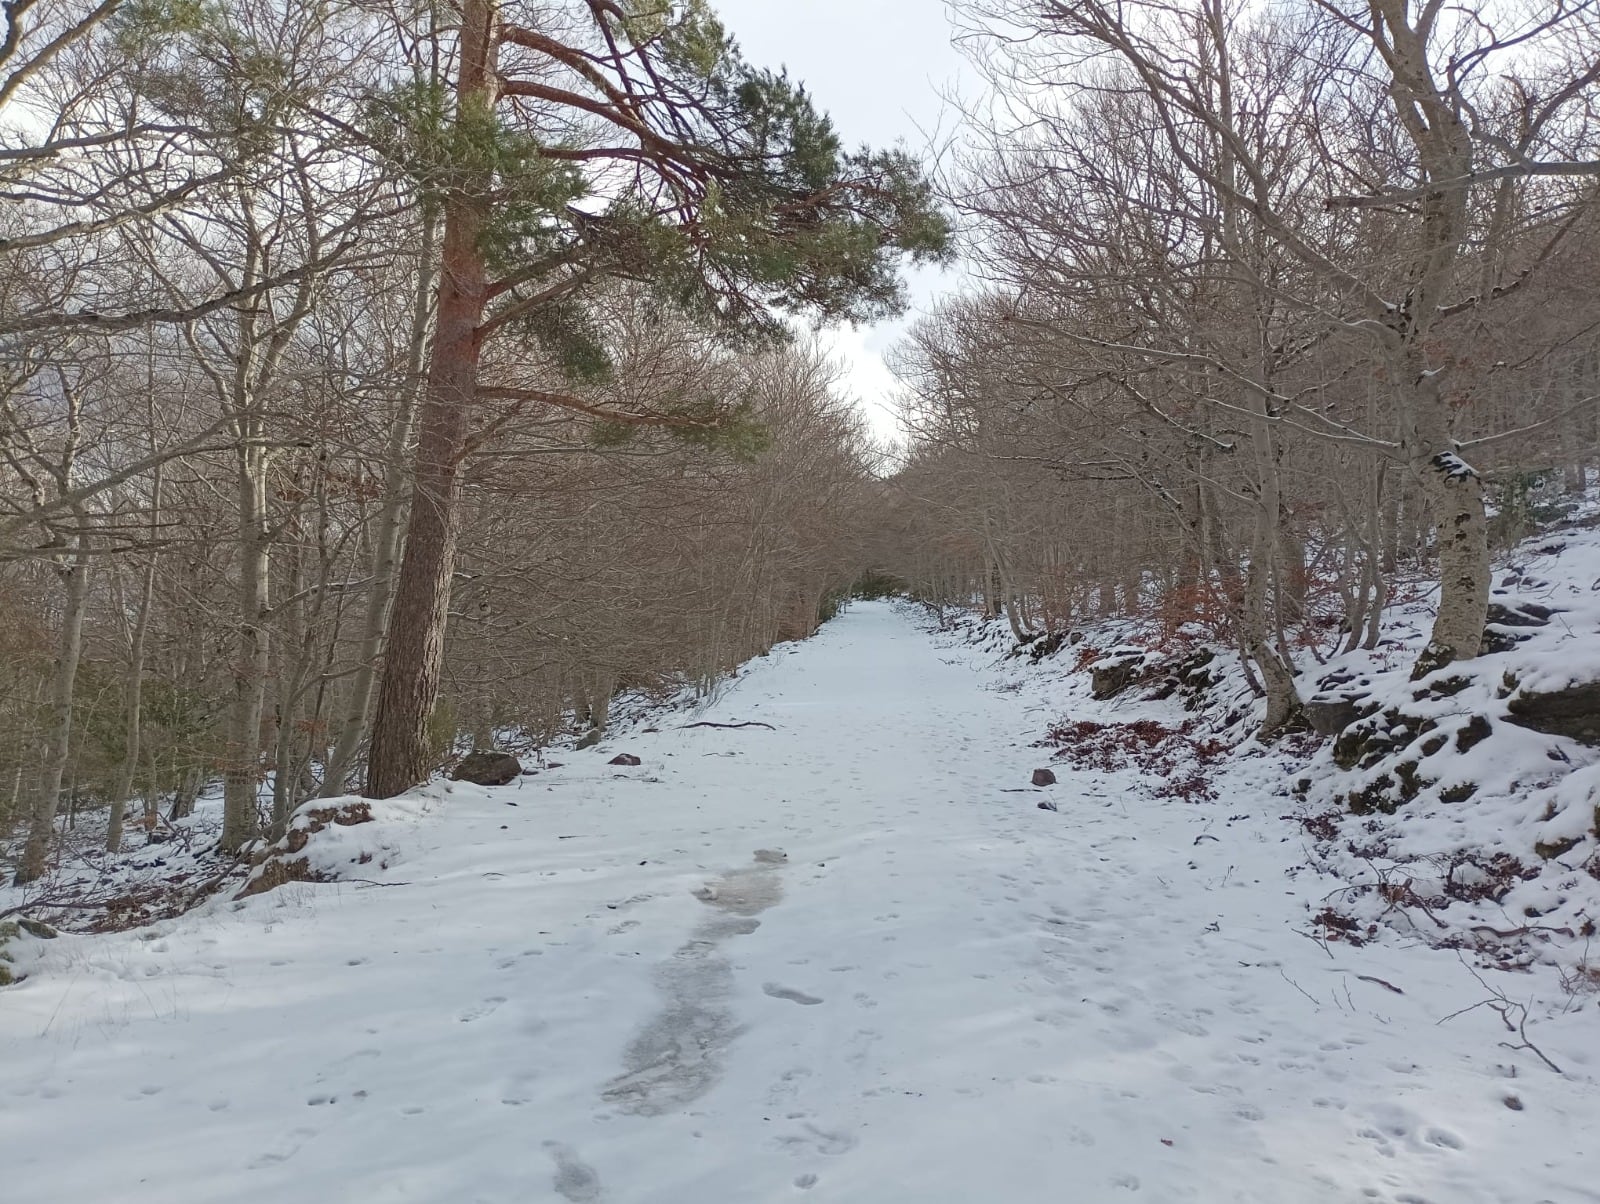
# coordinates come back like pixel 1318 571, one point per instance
pixel 1512 622
pixel 487 768
pixel 325 838
pixel 1343 697
pixel 1572 711
pixel 1115 672
pixel 18 949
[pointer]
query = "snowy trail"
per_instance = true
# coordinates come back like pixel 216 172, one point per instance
pixel 605 984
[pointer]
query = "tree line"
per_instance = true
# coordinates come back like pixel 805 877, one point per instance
pixel 1274 308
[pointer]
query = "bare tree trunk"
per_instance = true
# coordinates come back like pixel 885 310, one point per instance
pixel 1455 494
pixel 133 700
pixel 58 735
pixel 241 822
pixel 414 651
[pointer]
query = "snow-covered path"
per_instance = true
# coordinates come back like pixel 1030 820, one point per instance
pixel 605 984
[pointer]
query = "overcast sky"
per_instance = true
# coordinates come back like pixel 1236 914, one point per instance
pixel 878 67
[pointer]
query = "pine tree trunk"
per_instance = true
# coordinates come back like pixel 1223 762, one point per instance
pixel 390 528
pixel 414 650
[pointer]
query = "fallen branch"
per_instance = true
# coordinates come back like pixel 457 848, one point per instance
pixel 1523 931
pixel 1505 1007
pixel 707 723
pixel 1388 986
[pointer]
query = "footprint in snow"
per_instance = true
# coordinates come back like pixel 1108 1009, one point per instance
pixel 481 1010
pixel 575 1179
pixel 831 1142
pixel 284 1149
pixel 793 996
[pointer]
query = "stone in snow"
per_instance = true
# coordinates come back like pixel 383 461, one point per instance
pixel 486 768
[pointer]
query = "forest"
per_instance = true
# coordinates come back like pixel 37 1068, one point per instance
pixel 571 629
pixel 380 379
pixel 381 383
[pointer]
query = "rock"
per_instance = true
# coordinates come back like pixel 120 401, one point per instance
pixel 1473 733
pixel 1549 850
pixel 1044 777
pixel 1573 712
pixel 1048 645
pixel 1110 675
pixel 1520 614
pixel 487 768
pixel 624 759
pixel 1507 626
pixel 10 930
pixel 1047 805
pixel 285 861
pixel 1445 687
pixel 1329 716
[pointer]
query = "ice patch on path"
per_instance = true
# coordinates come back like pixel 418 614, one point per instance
pixel 677 1057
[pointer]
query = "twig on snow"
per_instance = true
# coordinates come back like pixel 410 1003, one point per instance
pixel 1505 1007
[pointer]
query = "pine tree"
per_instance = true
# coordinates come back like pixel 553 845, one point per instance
pixel 637 145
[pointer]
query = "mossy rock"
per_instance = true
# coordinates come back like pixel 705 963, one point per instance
pixel 1434 743
pixel 1372 739
pixel 1412 783
pixel 1376 795
pixel 1475 731
pixel 1549 850
pixel 10 930
pixel 1459 793
pixel 1573 712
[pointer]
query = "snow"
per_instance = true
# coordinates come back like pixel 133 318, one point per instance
pixel 848 959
